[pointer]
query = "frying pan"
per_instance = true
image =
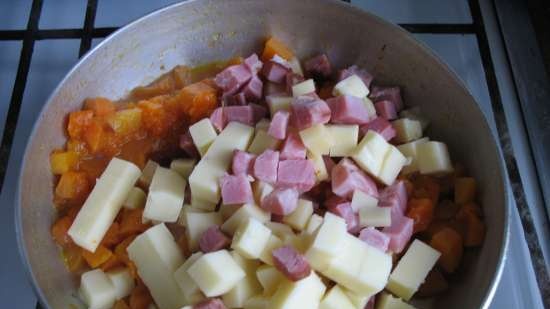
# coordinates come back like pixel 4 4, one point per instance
pixel 201 31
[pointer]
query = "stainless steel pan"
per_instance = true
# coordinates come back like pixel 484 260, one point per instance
pixel 206 30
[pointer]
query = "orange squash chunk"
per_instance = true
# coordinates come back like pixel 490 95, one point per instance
pixel 72 257
pixel 112 236
pixel 474 228
pixel 154 116
pixel 182 76
pixel 100 106
pixel 125 121
pixel 427 187
pixel 78 121
pixel 111 263
pixel 59 231
pixel 131 222
pixel 275 47
pixel 465 190
pixel 72 185
pixel 140 298
pixel 434 284
pixel 94 136
pixel 62 161
pixel 198 100
pixel 120 304
pixel 449 243
pixel 421 210
pixel 163 85
pixel 100 256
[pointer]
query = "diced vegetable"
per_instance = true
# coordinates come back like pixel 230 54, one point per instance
pixel 72 185
pixel 449 243
pixel 275 47
pixel 63 161
pixel 100 106
pixel 474 229
pixel 465 190
pixel 78 122
pixel 125 121
pixel 95 259
pixel 421 210
pixel 198 100
pixel 59 230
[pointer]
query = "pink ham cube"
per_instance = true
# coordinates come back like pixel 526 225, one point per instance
pixel 281 201
pixel 253 64
pixel 375 238
pixel 346 109
pixel 347 177
pixel 380 126
pixel 293 148
pixel 231 79
pixel 243 162
pixel 275 72
pixel 213 303
pixel 392 94
pixel 213 240
pixel 318 66
pixel 247 114
pixel 235 189
pixel 344 210
pixel 292 79
pixel 329 164
pixel 265 166
pixel 371 303
pixel 297 174
pixel 237 99
pixel 395 196
pixel 399 232
pixel 279 125
pixel 307 111
pixel 365 76
pixel 274 89
pixel 218 119
pixel 291 263
pixel 386 109
pixel 252 91
pixel 187 145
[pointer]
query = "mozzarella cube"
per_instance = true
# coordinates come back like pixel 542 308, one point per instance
pixel 189 288
pixel 227 210
pixel 203 134
pixel 321 172
pixel 205 205
pixel 147 173
pixel 313 224
pixel 242 214
pixel 358 300
pixel 135 199
pixel 371 110
pixel 216 273
pixel 370 152
pixel 257 302
pixel 261 189
pixel 166 195
pixel 263 125
pixel 416 114
pixel 375 216
pixel 317 139
pixel 184 167
pixel 352 85
pixel 407 130
pixel 263 141
pixel 345 139
pixel 279 229
pixel 392 165
pixel 387 301
pixel 409 150
pixel 251 238
pixel 328 243
pixel 433 158
pixel 295 66
pixel 362 200
pixel 273 243
pixel 270 278
pixel 248 265
pixel 122 281
pixel 412 269
pixel 97 290
pixel 197 223
pixel 240 293
pixel 277 103
pixel 304 293
pixel 336 299
pixel 182 219
pixel 300 216
pixel 305 87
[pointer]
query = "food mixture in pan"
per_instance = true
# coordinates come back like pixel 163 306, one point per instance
pixel 260 183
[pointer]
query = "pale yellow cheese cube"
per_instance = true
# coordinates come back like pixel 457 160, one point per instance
pixel 251 238
pixel 358 300
pixel 257 302
pixel 328 243
pixel 203 134
pixel 412 269
pixel 278 103
pixel 391 166
pixel 433 158
pixel 263 125
pixel 242 214
pixel 280 230
pixel 147 173
pixel 300 216
pixel 205 205
pixel 261 189
pixel 344 139
pixel 361 200
pixel 273 243
pixel 263 141
pixel 135 199
pixel 96 290
pixel 370 152
pixel 305 87
pixel 352 85
pixel 371 110
pixel 387 301
pixel 416 114
pixel 123 282
pixel 317 139
pixel 335 298
pixel 270 278
pixel 227 210
pixel 241 292
pixel 249 266
pixel 197 223
pixel 182 219
pixel 216 273
pixel 407 130
pixel 313 224
pixel 189 288
pixel 295 66
pixel 321 172
pixel 184 167
pixel 299 242
pixel 304 293
pixel 409 150
pixel 375 216
pixel 166 195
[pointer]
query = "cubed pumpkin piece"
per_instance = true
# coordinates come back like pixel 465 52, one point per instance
pixel 100 256
pixel 100 106
pixel 198 100
pixel 72 185
pixel 449 243
pixel 59 230
pixel 421 210
pixel 125 121
pixel 474 228
pixel 465 190
pixel 62 161
pixel 78 121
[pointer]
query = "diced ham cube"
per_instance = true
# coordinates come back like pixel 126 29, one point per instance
pixel 347 177
pixel 231 79
pixel 237 99
pixel 253 90
pixel 265 166
pixel 291 263
pixel 243 162
pixel 318 66
pixel 394 196
pixel 307 111
pixel 293 148
pixel 365 76
pixel 279 125
pixel 253 64
pixel 380 126
pixel 347 109
pixel 298 174
pixel 236 189
pixel 371 303
pixel 281 201
pixel 275 72
pixel 213 240
pixel 218 119
pixel 187 145
pixel 375 238
pixel 248 114
pixel 329 164
pixel 399 232
pixel 277 218
pixel 386 109
pixel 393 94
pixel 213 303
pixel 274 89
pixel 344 210
pixel 258 112
pixel 293 79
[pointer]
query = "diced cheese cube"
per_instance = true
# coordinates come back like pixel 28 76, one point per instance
pixel 279 229
pixel 97 290
pixel 387 301
pixel 147 173
pixel 184 167
pixel 205 176
pixel 203 134
pixel 370 152
pixel 317 139
pixel 409 150
pixel 257 302
pixel 321 172
pixel 278 103
pixel 216 273
pixel 416 114
pixel 300 216
pixel 240 293
pixel 227 210
pixel 249 266
pixel 391 166
pixel 273 243
pixel 362 200
pixel 328 243
pixel 375 216
pixel 122 281
pixel 135 199
pixel 433 158
pixel 304 293
pixel 305 87
pixel 407 130
pixel 182 219
pixel 157 256
pixel 103 204
pixel 412 269
pixel 299 242
pixel 189 288
pixel 199 203
pixel 261 189
pixel 270 278
pixel 251 238
pixel 295 66
pixel 344 139
pixel 242 214
pixel 263 141
pixel 336 299
pixel 353 85
pixel 197 223
pixel 371 110
pixel 166 195
pixel 313 224
pixel 358 300
pixel 263 125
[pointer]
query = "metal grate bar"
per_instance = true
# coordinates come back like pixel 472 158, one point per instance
pixel 440 28
pixel 89 21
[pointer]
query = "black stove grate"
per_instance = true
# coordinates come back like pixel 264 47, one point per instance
pixel 32 33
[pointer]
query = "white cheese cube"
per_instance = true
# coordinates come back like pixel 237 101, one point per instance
pixel 242 214
pixel 279 229
pixel 392 165
pixel 157 256
pixel 270 278
pixel 122 281
pixel 375 216
pixel 97 290
pixel 184 167
pixel 197 223
pixel 409 150
pixel 205 205
pixel 313 224
pixel 227 210
pixel 182 219
pixel 387 301
pixel 358 300
pixel 352 85
pixel 243 291
pixel 257 302
pixel 295 66
pixel 416 114
pixel 407 130
pixel 371 110
pixel 305 87
pixel 261 189
pixel 103 204
pixel 189 288
pixel 361 200
pixel 278 103
pixel 317 139
pixel 336 299
pixel 166 195
pixel 205 176
pixel 321 172
pixel 273 243
pixel 249 266
pixel 135 199
pixel 370 152
pixel 344 139
pixel 300 216
pixel 304 293
pixel 263 141
pixel 216 273
pixel 147 173
pixel 412 269
pixel 433 158
pixel 299 242
pixel 263 125
pixel 251 238
pixel 203 135
pixel 328 243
